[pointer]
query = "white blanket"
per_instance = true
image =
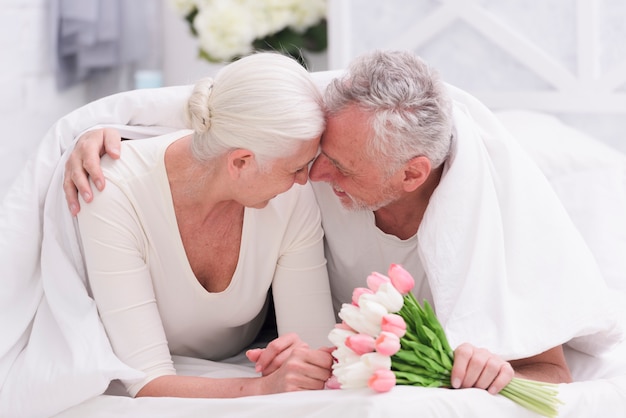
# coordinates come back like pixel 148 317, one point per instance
pixel 494 214
pixel 54 349
pixel 45 302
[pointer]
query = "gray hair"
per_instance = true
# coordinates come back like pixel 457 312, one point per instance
pixel 411 113
pixel 265 102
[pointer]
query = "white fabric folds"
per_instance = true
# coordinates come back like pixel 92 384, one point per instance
pixel 54 352
pixel 493 234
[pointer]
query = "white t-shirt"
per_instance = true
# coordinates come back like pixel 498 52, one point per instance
pixel 355 248
pixel 149 300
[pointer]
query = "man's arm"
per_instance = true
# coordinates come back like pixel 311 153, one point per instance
pixel 549 366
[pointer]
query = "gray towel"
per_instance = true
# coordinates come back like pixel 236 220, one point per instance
pixel 93 38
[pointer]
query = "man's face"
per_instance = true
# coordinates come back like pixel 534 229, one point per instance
pixel 357 179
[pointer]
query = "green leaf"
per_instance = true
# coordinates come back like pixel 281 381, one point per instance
pixel 316 37
pixel 190 18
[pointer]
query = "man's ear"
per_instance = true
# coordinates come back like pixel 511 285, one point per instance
pixel 415 173
pixel 239 161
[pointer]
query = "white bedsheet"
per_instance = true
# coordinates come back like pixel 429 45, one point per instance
pixel 599 398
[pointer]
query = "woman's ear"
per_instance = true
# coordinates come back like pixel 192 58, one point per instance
pixel 239 161
pixel 415 173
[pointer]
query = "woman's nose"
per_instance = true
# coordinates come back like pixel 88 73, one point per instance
pixel 302 176
pixel 320 169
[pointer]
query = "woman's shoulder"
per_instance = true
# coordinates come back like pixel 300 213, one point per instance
pixel 139 156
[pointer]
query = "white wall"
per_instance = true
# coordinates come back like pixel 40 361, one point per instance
pixel 29 102
pixel 565 57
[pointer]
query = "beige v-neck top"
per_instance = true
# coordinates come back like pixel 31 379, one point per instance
pixel 149 300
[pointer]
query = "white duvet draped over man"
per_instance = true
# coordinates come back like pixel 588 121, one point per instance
pixel 521 287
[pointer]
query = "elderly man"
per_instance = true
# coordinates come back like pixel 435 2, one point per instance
pixel 415 172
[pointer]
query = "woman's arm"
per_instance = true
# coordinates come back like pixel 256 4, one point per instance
pixel 300 286
pixel 304 369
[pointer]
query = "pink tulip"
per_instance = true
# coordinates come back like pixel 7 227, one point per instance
pixel 401 279
pixel 382 380
pixel 375 279
pixel 387 343
pixel 360 343
pixel 395 324
pixel 356 294
pixel 333 383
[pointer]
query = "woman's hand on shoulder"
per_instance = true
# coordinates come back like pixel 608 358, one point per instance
pixel 84 161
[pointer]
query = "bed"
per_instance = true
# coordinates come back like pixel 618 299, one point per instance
pixel 587 172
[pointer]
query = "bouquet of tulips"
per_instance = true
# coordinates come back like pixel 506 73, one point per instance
pixel 386 338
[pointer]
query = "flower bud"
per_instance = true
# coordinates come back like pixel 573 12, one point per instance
pixel 353 375
pixel 360 319
pixel 344 356
pixel 386 295
pixel 375 361
pixel 375 279
pixel 387 343
pixel 382 380
pixel 373 313
pixel 393 323
pixel 361 343
pixel 356 294
pixel 338 336
pixel 401 279
pixel 332 383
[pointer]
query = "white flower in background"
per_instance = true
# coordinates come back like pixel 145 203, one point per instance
pixel 225 30
pixel 228 29
pixel 306 13
pixel 271 16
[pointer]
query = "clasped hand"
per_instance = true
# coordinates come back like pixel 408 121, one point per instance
pixel 288 364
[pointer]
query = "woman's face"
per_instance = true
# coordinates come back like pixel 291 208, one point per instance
pixel 281 174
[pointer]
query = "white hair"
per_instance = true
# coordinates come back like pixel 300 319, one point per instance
pixel 265 102
pixel 410 111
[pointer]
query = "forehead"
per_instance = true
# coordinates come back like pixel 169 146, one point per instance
pixel 304 154
pixel 345 137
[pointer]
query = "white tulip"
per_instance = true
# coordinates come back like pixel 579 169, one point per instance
pixel 361 320
pixel 386 295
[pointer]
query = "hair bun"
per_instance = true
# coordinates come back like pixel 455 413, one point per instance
pixel 199 105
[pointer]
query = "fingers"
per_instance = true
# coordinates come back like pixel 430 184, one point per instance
pixel 71 193
pixel 254 354
pixel 479 368
pixel 306 369
pixel 84 162
pixel 276 353
pixel 112 142
pixel 504 376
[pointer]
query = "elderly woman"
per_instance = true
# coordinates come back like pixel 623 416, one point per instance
pixel 194 227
